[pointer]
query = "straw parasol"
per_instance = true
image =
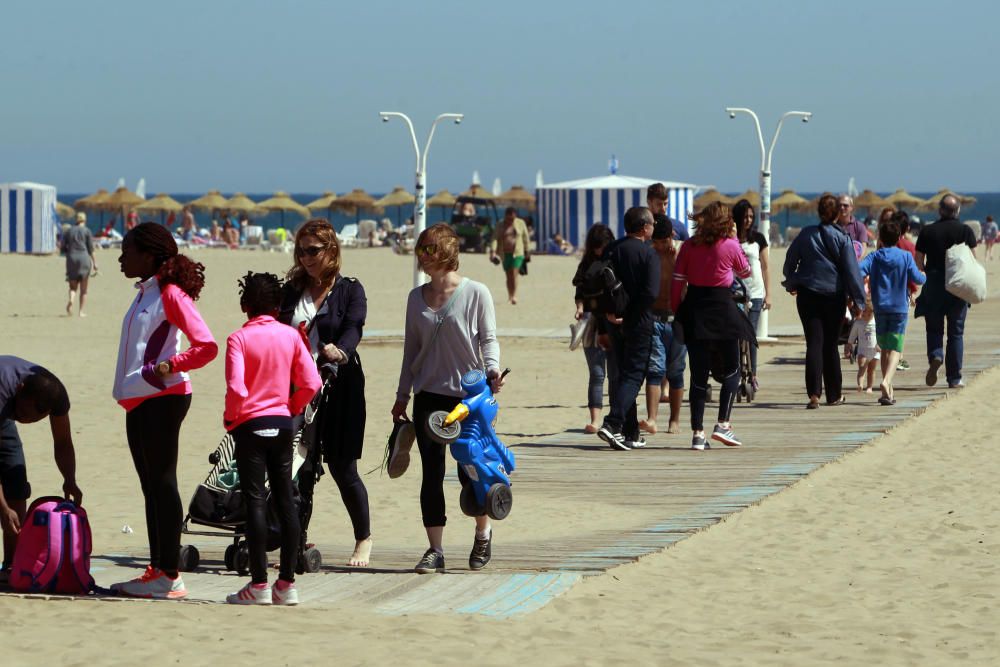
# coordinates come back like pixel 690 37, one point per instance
pixel 92 202
pixel 282 202
pixel 399 197
pixel 789 201
pixel 212 201
pixel 122 198
pixel 323 203
pixel 162 204
pixel 931 203
pixel 751 196
pixel 709 196
pixel 64 212
pixel 902 199
pixel 240 203
pixel 869 200
pixel 517 196
pixel 355 200
pixel 443 200
pixel 476 190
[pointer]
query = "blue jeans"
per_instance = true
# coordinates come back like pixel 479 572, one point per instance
pixel 666 357
pixel 597 363
pixel 954 312
pixel 756 305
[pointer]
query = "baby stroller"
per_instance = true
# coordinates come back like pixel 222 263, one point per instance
pixel 747 390
pixel 217 503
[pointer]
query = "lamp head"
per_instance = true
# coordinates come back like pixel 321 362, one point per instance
pixel 805 119
pixel 732 114
pixel 385 119
pixel 458 121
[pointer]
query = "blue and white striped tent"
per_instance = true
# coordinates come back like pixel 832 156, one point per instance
pixel 27 218
pixel 571 207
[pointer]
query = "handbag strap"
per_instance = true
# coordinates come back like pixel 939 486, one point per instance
pixel 441 314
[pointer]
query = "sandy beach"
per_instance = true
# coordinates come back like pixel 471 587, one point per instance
pixel 886 557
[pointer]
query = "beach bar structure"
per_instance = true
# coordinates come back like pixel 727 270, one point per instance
pixel 27 218
pixel 571 207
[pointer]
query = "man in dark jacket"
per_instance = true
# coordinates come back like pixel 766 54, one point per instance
pixel 637 266
pixel 935 304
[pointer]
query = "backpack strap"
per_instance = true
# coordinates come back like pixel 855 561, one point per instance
pixel 45 580
pixel 79 540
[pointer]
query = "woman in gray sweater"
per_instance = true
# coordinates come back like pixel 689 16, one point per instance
pixel 450 329
pixel 78 246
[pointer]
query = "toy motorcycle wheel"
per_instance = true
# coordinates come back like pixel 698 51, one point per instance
pixel 467 501
pixel 444 435
pixel 499 500
pixel 188 558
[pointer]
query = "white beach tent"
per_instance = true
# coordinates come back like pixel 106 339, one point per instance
pixel 571 207
pixel 27 218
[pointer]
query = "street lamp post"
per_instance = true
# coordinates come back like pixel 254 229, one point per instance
pixel 765 184
pixel 420 206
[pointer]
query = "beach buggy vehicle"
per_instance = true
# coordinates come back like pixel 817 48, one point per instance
pixel 217 503
pixel 474 232
pixel 484 463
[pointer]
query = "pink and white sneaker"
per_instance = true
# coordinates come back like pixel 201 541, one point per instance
pixel 251 594
pixel 284 592
pixel 155 585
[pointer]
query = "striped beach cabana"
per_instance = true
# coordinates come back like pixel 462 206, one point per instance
pixel 571 207
pixel 27 218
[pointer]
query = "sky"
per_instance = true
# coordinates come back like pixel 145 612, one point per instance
pixel 258 96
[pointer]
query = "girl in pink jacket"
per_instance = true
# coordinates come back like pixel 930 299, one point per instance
pixel 152 384
pixel 270 377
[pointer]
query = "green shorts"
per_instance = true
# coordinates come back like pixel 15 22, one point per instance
pixel 512 262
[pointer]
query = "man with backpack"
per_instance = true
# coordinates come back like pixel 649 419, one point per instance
pixel 629 328
pixel 29 393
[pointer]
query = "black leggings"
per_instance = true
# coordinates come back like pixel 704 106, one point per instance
pixel 153 429
pixel 256 455
pixel 432 457
pixel 354 494
pixel 700 356
pixel 822 317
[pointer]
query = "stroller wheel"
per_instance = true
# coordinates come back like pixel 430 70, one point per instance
pixel 230 557
pixel 242 560
pixel 499 500
pixel 188 558
pixel 313 560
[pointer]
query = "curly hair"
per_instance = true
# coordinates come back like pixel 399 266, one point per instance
pixel 327 236
pixel 171 267
pixel 260 293
pixel 712 224
pixel 828 209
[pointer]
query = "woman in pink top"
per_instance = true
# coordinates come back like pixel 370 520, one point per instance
pixel 264 359
pixel 152 384
pixel 708 319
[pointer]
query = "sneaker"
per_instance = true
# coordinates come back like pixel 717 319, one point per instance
pixel 433 561
pixel 251 594
pixel 699 443
pixel 725 435
pixel 636 444
pixel 932 371
pixel 482 550
pixel 903 365
pixel 157 586
pixel 576 333
pixel 403 442
pixel 615 440
pixel 284 593
pixel 149 573
pixel 956 385
pixel 4 575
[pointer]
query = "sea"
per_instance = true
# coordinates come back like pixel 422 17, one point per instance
pixel 987 203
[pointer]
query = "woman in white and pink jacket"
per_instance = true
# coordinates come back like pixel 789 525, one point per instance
pixel 152 384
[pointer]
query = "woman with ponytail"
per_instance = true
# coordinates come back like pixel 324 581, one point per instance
pixel 152 384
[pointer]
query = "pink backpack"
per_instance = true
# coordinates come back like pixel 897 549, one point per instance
pixel 53 549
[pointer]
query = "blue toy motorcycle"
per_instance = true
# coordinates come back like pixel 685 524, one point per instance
pixel 481 457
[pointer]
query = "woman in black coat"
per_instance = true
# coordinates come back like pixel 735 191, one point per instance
pixel 330 310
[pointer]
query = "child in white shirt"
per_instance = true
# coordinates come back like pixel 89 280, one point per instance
pixel 861 343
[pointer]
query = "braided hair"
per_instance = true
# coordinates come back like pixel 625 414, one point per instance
pixel 171 267
pixel 260 293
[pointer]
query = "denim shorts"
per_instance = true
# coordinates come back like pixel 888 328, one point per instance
pixel 13 473
pixel 667 357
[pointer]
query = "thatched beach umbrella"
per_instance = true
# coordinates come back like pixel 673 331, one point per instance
pixel 931 203
pixel 122 198
pixel 212 201
pixel 282 202
pixel 162 204
pixel 355 200
pixel 902 199
pixel 789 201
pixel 323 203
pixel 751 196
pixel 240 203
pixel 518 197
pixel 443 200
pixel 869 200
pixel 476 190
pixel 92 202
pixel 65 212
pixel 399 197
pixel 711 196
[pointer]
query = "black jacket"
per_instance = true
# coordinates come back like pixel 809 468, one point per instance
pixel 342 412
pixel 637 266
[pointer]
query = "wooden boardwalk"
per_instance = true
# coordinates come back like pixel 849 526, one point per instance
pixel 648 499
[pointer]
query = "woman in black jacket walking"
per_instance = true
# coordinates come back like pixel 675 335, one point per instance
pixel 330 310
pixel 821 270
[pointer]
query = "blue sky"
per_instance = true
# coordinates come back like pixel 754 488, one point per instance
pixel 260 96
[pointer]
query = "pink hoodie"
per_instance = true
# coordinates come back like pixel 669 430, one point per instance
pixel 269 372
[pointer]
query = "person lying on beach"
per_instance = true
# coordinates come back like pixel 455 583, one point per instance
pixel 29 393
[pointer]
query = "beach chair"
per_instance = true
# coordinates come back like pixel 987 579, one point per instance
pixel 277 240
pixel 255 237
pixel 348 236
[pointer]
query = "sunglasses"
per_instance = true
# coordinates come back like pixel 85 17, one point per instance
pixel 845 205
pixel 425 250
pixel 311 251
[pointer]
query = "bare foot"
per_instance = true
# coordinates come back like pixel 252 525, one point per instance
pixel 591 428
pixel 664 398
pixel 674 427
pixel 362 553
pixel 69 309
pixel 83 314
pixel 648 426
pixel 868 390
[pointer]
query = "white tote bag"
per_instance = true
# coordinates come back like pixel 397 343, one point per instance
pixel 963 275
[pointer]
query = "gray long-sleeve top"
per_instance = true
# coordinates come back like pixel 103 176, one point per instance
pixel 466 340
